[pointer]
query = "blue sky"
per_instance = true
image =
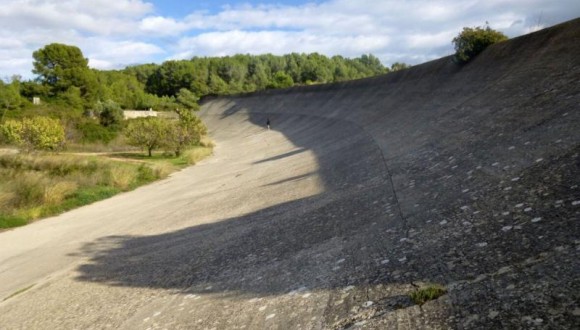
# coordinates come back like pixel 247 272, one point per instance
pixel 178 8
pixel 115 33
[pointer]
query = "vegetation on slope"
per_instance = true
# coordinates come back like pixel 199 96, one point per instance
pixel 472 41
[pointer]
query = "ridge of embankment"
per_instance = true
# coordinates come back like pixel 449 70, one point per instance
pixel 471 172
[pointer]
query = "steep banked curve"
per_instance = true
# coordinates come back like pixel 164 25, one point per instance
pixel 478 165
pixel 462 175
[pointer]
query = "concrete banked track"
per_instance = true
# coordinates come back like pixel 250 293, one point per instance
pixel 466 176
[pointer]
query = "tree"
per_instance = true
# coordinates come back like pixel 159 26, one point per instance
pixel 37 133
pixel 187 99
pixel 62 66
pixel 10 98
pixel 147 133
pixel 185 132
pixel 472 41
pixel 281 80
pixel 109 113
pixel 372 63
pixel 399 66
pixel 170 77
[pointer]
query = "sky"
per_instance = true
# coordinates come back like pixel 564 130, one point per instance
pixel 113 34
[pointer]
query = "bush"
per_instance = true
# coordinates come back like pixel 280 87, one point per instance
pixel 472 41
pixel 93 132
pixel 37 133
pixel 109 112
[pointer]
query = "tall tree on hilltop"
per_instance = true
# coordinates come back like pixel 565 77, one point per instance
pixel 61 67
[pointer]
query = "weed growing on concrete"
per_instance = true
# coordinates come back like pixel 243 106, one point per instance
pixel 427 293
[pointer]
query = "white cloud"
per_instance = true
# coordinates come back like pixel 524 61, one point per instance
pixel 278 42
pixel 428 40
pixel 113 33
pixel 162 26
pixel 410 31
pixel 105 54
pixel 28 25
pixel 101 17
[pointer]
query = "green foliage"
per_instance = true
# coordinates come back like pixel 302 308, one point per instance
pixel 281 80
pixel 10 98
pixel 187 131
pixel 472 41
pixel 92 132
pixel 61 66
pixel 248 73
pixel 72 98
pixel 170 77
pixel 187 99
pixel 109 113
pixel 69 89
pixel 427 293
pixel 399 66
pixel 37 133
pixel 147 133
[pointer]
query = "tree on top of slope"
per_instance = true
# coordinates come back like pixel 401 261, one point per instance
pixel 472 41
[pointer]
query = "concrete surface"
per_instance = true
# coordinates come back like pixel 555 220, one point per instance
pixel 363 191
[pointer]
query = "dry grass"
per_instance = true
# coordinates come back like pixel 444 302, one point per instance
pixel 194 155
pixel 122 176
pixel 58 191
pixel 39 185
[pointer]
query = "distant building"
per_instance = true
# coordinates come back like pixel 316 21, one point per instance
pixel 130 114
pixel 36 100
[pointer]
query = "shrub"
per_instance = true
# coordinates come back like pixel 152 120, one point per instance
pixel 93 132
pixel 109 112
pixel 146 174
pixel 472 41
pixel 37 133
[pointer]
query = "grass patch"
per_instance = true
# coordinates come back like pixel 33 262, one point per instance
pixel 194 155
pixel 81 197
pixel 427 293
pixel 11 221
pixel 33 186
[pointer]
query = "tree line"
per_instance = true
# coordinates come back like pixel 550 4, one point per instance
pixel 64 78
pixel 90 102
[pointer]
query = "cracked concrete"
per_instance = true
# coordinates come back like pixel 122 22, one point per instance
pixel 462 176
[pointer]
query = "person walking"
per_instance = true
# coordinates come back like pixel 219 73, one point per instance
pixel 268 123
